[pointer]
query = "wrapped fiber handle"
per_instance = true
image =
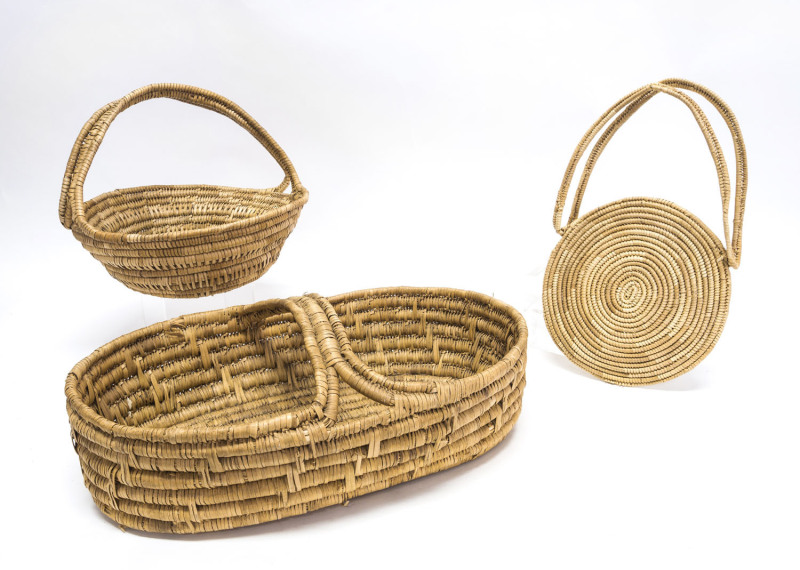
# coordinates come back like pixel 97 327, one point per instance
pixel 341 362
pixel 333 360
pixel 70 207
pixel 627 106
pixel 329 353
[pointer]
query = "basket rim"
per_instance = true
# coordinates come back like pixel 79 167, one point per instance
pixel 255 430
pixel 299 196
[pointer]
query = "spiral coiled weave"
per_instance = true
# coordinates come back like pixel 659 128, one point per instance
pixel 637 291
pixel 254 413
pixel 180 241
pixel 634 296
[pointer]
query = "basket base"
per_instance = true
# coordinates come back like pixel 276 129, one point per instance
pixel 188 241
pixel 378 473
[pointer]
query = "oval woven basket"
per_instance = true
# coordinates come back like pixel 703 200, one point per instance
pixel 180 241
pixel 637 291
pixel 239 416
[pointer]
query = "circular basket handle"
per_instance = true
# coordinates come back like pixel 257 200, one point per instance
pixel 632 103
pixel 70 207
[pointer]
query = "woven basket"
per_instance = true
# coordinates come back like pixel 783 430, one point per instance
pixel 637 291
pixel 235 417
pixel 180 241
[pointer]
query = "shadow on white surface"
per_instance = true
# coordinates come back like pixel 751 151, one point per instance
pixel 564 363
pixel 695 379
pixel 692 380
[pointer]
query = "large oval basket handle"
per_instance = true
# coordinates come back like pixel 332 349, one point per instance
pixel 342 362
pixel 70 206
pixel 622 110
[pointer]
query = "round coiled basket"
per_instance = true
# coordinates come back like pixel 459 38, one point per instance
pixel 254 413
pixel 180 241
pixel 637 291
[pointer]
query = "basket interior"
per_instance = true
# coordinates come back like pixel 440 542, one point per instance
pixel 247 364
pixel 166 209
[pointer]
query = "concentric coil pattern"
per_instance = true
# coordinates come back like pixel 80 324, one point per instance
pixel 637 291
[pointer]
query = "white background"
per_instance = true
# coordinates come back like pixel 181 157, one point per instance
pixel 432 137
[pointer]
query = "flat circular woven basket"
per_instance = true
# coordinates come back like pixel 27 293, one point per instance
pixel 180 241
pixel 637 291
pixel 254 413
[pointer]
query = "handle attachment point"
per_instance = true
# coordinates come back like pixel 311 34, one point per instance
pixel 71 203
pixel 622 110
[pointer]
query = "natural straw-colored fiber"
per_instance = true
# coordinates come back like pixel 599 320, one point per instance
pixel 254 413
pixel 637 291
pixel 180 241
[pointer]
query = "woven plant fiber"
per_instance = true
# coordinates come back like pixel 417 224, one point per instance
pixel 637 291
pixel 180 241
pixel 254 413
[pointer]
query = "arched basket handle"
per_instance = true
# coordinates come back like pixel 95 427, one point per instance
pixel 342 362
pixel 71 204
pixel 622 110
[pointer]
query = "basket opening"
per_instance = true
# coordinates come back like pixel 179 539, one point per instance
pixel 167 209
pixel 240 368
pixel 247 365
pixel 426 336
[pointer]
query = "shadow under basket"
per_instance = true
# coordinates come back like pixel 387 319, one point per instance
pixel 180 241
pixel 254 413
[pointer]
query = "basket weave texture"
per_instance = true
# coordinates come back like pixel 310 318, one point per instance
pixel 239 416
pixel 637 291
pixel 180 241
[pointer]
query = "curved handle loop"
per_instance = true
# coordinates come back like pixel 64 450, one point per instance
pixel 70 206
pixel 631 103
pixel 340 359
